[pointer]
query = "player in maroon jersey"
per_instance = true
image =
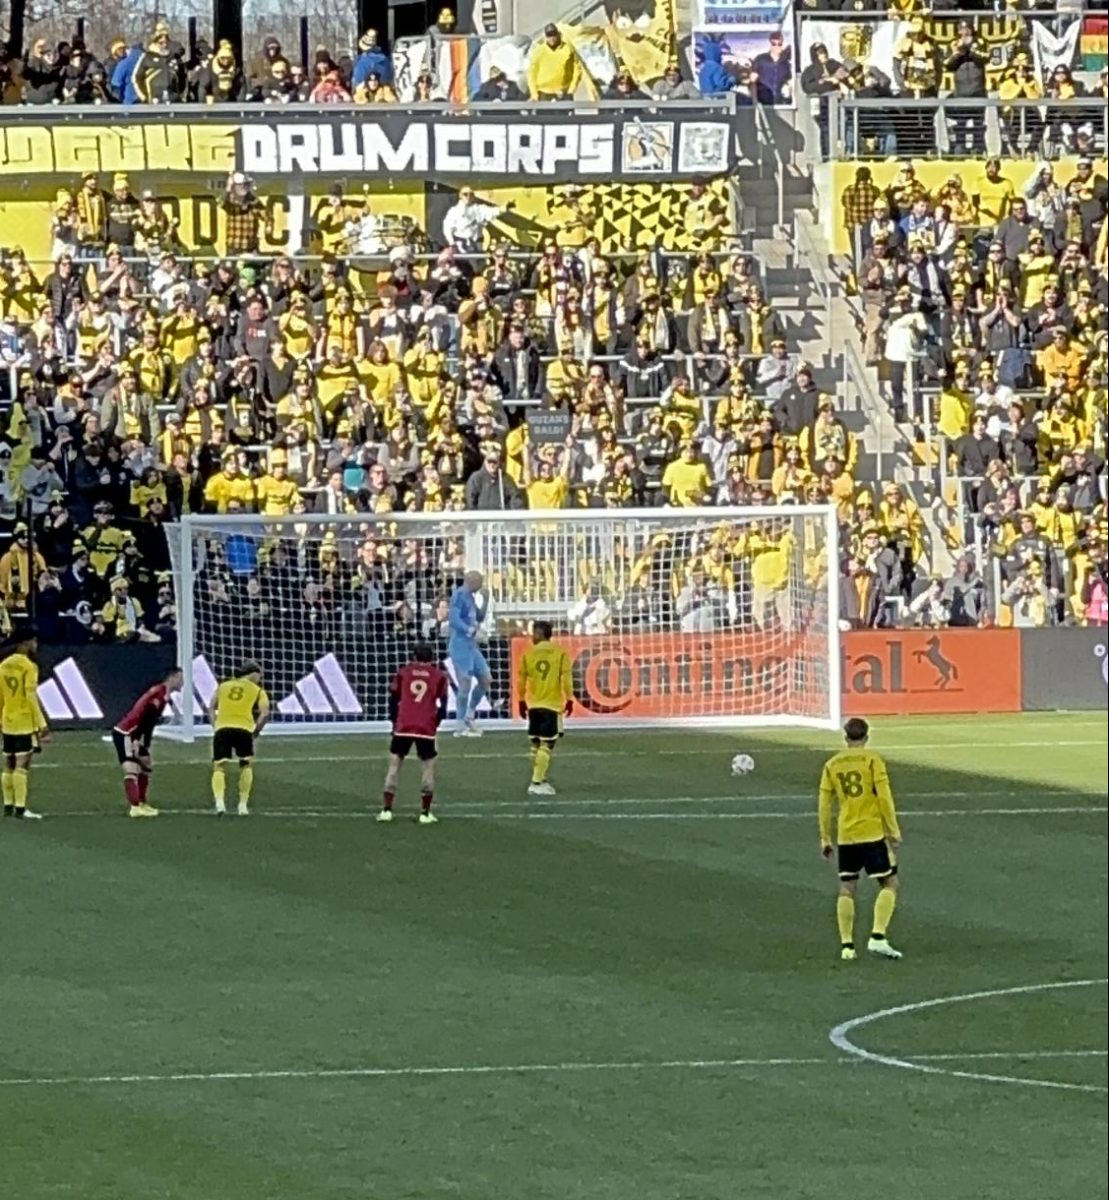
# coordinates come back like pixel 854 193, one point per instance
pixel 417 704
pixel 132 735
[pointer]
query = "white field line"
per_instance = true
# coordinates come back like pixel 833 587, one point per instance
pixel 691 1064
pixel 840 1036
pixel 375 741
pixel 322 814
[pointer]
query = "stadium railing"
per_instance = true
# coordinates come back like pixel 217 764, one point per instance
pixel 47 114
pixel 956 128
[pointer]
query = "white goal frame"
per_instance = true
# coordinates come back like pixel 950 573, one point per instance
pixel 191 721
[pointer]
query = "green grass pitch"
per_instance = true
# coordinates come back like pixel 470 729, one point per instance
pixel 623 993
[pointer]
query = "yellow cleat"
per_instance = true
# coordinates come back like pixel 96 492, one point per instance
pixel 142 810
pixel 428 818
pixel 847 954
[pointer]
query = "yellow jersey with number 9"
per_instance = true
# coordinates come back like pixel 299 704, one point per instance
pixel 20 711
pixel 545 677
pixel 237 703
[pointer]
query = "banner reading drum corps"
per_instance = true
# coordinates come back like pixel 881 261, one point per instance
pixel 554 146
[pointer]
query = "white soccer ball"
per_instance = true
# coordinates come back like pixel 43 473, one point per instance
pixel 742 764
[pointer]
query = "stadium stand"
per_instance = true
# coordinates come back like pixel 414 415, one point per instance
pixel 395 361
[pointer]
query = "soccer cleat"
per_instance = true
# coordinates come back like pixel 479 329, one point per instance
pixel 541 789
pixel 243 809
pixel 879 946
pixel 220 809
pixel 28 815
pixel 427 818
pixel 142 810
pixel 847 953
pixel 9 810
pixel 385 816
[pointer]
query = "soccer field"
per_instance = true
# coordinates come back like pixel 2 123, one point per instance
pixel 628 992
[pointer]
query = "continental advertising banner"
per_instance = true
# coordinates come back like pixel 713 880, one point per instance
pixel 555 146
pixel 884 673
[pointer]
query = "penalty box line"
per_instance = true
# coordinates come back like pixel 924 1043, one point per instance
pixel 471 812
pixel 691 1064
pixel 373 742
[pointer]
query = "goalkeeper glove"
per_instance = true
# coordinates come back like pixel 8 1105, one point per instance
pixel 568 708
pixel 522 708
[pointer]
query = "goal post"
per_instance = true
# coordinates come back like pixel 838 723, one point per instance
pixel 696 617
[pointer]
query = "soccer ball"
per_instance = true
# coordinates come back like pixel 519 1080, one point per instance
pixel 742 764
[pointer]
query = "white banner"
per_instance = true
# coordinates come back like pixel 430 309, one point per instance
pixel 1051 50
pixel 871 43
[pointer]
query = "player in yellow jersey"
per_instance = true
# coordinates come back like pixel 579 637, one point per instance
pixel 546 689
pixel 22 722
pixel 240 711
pixel 856 786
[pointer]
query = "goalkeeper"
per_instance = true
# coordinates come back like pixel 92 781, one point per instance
pixel 467 612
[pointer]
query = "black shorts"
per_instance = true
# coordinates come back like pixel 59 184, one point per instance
pixel 232 743
pixel 875 858
pixel 402 743
pixel 544 724
pixel 19 743
pixel 128 748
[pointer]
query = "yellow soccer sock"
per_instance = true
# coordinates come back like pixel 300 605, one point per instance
pixel 219 782
pixel 845 919
pixel 19 787
pixel 6 785
pixel 246 782
pixel 883 911
pixel 541 765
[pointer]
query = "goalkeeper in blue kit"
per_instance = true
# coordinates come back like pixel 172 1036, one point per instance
pixel 465 618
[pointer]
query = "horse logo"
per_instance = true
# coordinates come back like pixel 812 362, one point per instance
pixel 946 671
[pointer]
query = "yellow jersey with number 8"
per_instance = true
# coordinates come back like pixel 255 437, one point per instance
pixel 20 711
pixel 856 784
pixel 237 703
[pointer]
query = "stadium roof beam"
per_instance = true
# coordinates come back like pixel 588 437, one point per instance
pixel 17 24
pixel 227 22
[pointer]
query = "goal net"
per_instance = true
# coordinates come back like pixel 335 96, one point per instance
pixel 672 617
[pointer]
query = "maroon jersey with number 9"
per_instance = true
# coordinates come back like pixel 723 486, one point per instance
pixel 419 692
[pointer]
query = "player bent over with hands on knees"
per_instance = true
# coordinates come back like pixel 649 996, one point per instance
pixel 464 620
pixel 417 706
pixel 856 784
pixel 131 737
pixel 546 689
pixel 22 721
pixel 239 714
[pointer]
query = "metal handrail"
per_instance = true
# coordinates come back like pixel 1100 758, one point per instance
pixel 767 141
pixel 926 122
pixel 54 114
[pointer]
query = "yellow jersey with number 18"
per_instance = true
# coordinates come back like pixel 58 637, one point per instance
pixel 856 786
pixel 20 711
pixel 237 703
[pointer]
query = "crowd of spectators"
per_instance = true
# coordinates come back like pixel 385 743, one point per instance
pixel 992 298
pixel 152 384
pixel 164 70
pixel 977 57
pixel 148 383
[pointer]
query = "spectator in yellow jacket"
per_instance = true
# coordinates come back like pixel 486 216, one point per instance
pixel 554 71
pixel 18 571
